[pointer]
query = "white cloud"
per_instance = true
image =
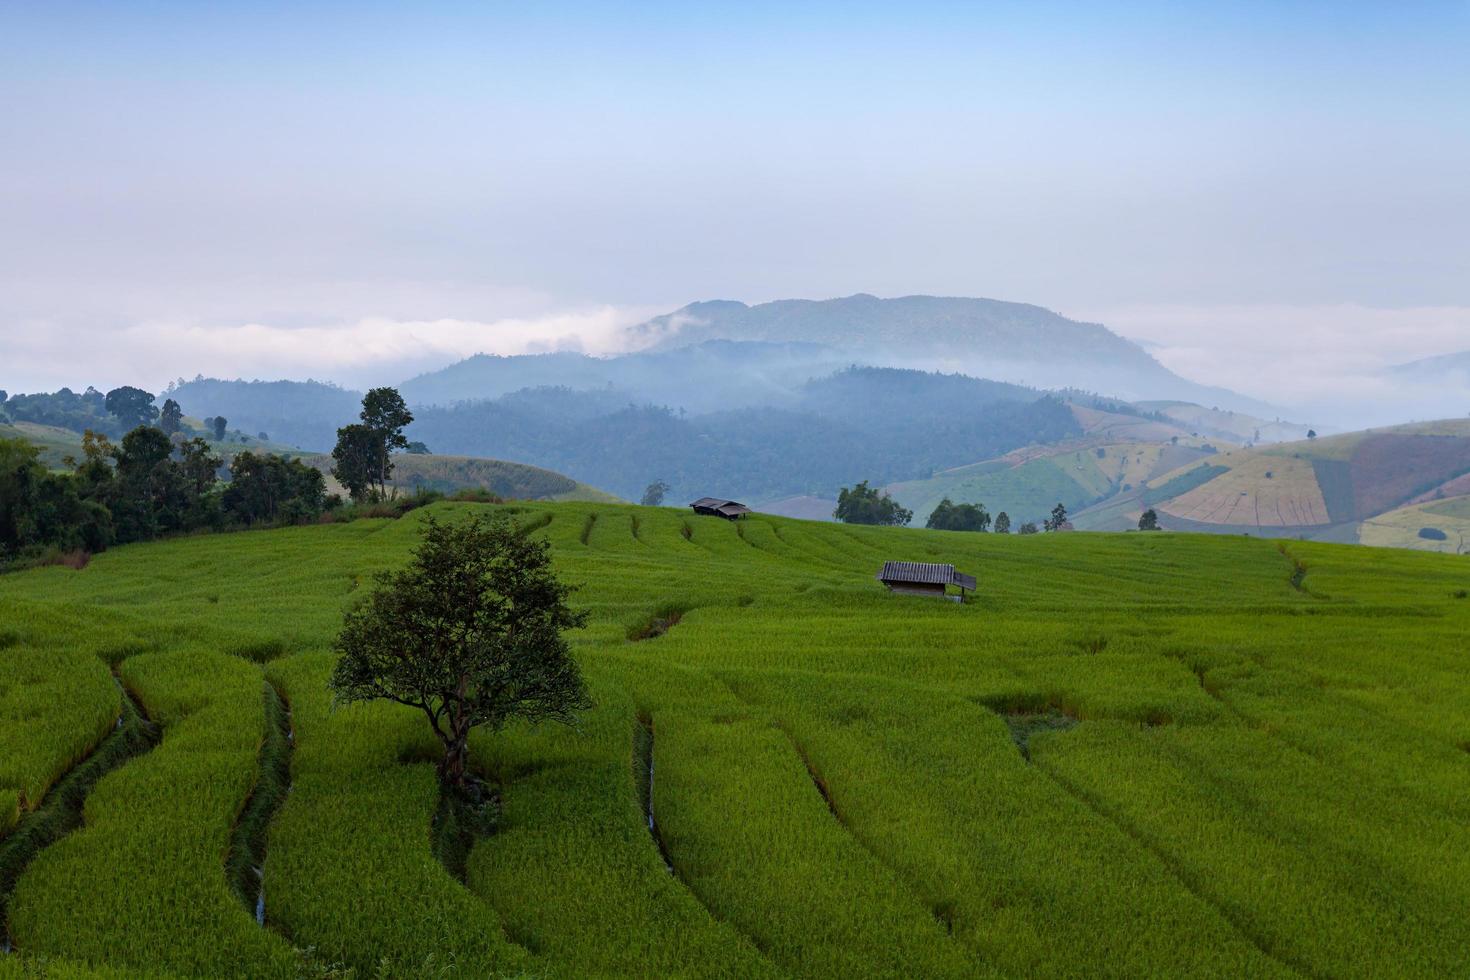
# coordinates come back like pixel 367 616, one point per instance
pixel 1325 359
pixel 369 350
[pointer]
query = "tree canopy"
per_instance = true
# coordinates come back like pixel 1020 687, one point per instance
pixel 353 460
pixel 949 516
pixel 171 419
pixel 470 633
pixel 132 406
pixel 863 504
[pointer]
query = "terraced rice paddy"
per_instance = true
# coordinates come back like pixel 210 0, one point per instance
pixel 1130 755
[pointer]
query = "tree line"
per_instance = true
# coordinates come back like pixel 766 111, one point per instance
pixel 864 504
pixel 147 486
pixel 112 414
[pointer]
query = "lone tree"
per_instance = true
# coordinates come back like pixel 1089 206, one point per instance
pixel 384 411
pixel 1149 520
pixel 1058 519
pixel 364 448
pixel 470 633
pixel 219 422
pixel 867 505
pixel 1002 523
pixel 654 495
pixel 1311 433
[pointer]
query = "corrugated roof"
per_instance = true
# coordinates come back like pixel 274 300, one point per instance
pixel 924 573
pixel 711 502
pixel 916 571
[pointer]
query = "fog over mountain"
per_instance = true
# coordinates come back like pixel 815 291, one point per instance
pixel 986 338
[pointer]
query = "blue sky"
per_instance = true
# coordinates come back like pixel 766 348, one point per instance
pixel 174 168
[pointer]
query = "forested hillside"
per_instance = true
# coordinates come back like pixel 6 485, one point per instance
pixel 787 434
pixel 866 423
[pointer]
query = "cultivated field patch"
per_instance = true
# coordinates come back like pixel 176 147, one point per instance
pixel 1260 491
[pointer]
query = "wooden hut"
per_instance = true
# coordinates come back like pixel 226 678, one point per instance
pixel 925 578
pixel 716 507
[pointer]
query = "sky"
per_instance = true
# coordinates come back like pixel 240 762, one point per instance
pixel 1272 197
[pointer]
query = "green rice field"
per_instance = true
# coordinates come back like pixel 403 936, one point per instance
pixel 1129 755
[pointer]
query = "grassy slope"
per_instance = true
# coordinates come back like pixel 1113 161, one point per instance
pixel 1027 483
pixel 1235 426
pixel 1268 774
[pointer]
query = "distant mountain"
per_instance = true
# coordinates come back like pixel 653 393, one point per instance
pixel 1445 367
pixel 711 376
pixel 982 337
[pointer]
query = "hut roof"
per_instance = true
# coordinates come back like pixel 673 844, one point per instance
pixel 710 502
pixel 925 573
pixel 717 505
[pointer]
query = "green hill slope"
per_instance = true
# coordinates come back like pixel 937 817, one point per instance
pixel 1114 454
pixel 431 471
pixel 1130 755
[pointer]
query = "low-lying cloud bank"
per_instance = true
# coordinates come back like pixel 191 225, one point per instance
pixel 373 350
pixel 1327 363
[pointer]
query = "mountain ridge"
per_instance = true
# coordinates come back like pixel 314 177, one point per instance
pixel 999 339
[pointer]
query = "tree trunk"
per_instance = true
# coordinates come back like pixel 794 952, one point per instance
pixel 453 768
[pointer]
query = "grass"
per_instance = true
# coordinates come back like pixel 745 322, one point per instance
pixel 142 884
pixel 1130 755
pixel 60 812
